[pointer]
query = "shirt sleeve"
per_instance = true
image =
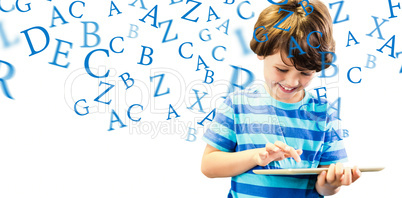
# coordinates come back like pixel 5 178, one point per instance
pixel 220 133
pixel 333 149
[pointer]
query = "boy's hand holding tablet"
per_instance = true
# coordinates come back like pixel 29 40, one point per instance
pixel 329 183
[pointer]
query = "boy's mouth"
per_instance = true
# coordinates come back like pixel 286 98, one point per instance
pixel 287 89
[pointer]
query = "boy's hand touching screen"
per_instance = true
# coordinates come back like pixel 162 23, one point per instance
pixel 276 152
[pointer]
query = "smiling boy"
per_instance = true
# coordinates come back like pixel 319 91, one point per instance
pixel 244 135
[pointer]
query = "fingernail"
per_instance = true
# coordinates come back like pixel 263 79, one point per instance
pixel 358 172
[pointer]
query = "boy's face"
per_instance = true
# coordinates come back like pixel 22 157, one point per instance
pixel 285 83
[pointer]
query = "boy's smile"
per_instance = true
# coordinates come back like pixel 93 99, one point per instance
pixel 283 81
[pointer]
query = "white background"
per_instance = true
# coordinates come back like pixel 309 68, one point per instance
pixel 47 150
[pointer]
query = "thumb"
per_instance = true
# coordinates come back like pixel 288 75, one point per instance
pixel 263 155
pixel 321 178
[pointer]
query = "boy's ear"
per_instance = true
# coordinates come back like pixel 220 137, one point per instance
pixel 260 57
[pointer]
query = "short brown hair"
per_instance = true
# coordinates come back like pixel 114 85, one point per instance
pixel 301 25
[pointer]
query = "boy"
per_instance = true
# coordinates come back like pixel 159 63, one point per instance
pixel 271 127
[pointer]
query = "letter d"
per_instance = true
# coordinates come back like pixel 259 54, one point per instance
pixel 33 51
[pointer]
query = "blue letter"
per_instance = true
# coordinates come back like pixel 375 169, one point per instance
pixel 63 53
pixel 304 7
pixel 202 63
pixel 213 53
pixel 129 112
pixel 308 39
pixel 117 120
pixel 233 81
pixel 226 27
pixel 323 63
pixel 206 117
pixel 208 35
pixel 86 108
pixel 111 46
pixel 297 46
pixel 353 38
pixel 9 75
pixel 369 60
pixel 3 10
pixel 127 79
pixel 159 85
pixel 155 16
pixel 113 7
pixel 337 13
pixel 131 30
pixel 192 134
pixel 198 101
pixel 167 31
pixel 318 94
pixel 345 133
pixel 349 75
pixel 192 9
pixel 33 52
pixel 107 90
pixel 392 47
pixel 226 2
pixel 213 13
pixel 391 8
pixel 207 76
pixel 71 9
pixel 255 36
pixel 283 3
pixel 147 55
pixel 243 44
pixel 86 33
pixel 142 4
pixel 170 112
pixel 6 42
pixel 55 11
pixel 19 9
pixel 182 54
pixel 281 21
pixel 86 63
pixel 377 28
pixel 174 2
pixel 338 110
pixel 309 115
pixel 240 15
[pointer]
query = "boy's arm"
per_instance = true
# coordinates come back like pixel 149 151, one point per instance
pixel 217 163
pixel 329 183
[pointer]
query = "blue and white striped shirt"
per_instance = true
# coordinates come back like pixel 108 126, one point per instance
pixel 249 119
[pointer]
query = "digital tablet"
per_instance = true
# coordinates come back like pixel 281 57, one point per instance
pixel 307 171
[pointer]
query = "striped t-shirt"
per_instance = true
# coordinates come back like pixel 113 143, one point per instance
pixel 249 119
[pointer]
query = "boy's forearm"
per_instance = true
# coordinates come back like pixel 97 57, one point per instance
pixel 228 164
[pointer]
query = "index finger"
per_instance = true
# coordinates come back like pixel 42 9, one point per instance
pixel 294 154
pixel 290 150
pixel 282 146
pixel 356 174
pixel 271 147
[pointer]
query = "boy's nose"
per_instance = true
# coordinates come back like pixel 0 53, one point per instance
pixel 292 82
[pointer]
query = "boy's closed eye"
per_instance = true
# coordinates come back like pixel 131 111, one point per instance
pixel 285 70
